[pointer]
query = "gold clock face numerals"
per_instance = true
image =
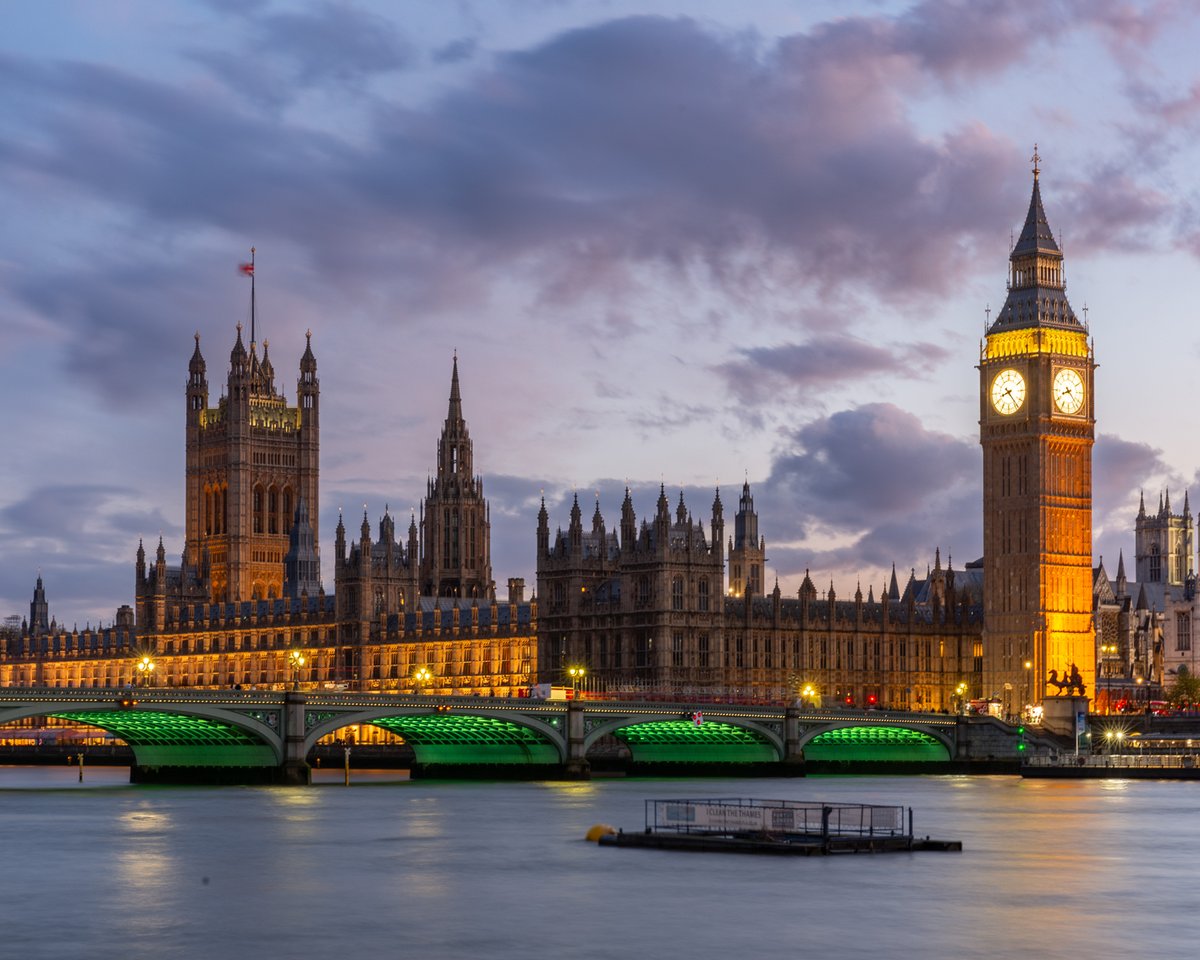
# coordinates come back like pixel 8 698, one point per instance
pixel 1068 390
pixel 1008 391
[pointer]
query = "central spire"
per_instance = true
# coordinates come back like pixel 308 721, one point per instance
pixel 455 412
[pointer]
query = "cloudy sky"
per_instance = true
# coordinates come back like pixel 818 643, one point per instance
pixel 681 243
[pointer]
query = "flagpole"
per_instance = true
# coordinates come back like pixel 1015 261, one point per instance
pixel 252 295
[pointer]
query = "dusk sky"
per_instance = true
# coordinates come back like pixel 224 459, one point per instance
pixel 681 243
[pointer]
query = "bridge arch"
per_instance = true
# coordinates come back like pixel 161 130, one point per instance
pixel 853 740
pixel 183 735
pixel 722 739
pixel 457 736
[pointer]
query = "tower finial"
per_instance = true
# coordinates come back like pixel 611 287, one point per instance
pixel 1035 160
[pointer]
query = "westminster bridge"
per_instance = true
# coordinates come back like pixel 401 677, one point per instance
pixel 259 736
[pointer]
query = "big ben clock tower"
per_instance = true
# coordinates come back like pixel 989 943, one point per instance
pixel 1037 426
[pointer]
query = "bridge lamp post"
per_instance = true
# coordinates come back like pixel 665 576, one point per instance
pixel 421 676
pixel 960 693
pixel 295 661
pixel 1029 683
pixel 145 668
pixel 808 695
pixel 576 674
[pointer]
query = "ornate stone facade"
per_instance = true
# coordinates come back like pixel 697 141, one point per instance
pixel 642 610
pixel 252 463
pixel 638 610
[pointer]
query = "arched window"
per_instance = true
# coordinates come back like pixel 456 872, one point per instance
pixel 289 511
pixel 677 593
pixel 1155 564
pixel 702 595
pixel 258 510
pixel 273 510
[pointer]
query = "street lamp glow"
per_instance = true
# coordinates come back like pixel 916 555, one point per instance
pixel 296 660
pixel 145 670
pixel 421 676
pixel 576 674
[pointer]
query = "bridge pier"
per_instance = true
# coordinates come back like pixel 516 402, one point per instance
pixel 793 756
pixel 577 766
pixel 295 770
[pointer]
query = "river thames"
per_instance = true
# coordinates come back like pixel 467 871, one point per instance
pixel 453 869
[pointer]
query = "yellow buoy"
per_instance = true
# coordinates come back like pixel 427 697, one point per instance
pixel 598 830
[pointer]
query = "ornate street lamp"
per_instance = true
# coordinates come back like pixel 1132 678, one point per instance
pixel 421 676
pixel 295 661
pixel 576 674
pixel 145 668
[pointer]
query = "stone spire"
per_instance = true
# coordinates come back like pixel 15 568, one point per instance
pixel 1036 288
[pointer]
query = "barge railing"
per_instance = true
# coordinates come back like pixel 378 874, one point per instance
pixel 789 818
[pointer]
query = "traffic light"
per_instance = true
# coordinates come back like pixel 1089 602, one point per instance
pixel 1020 739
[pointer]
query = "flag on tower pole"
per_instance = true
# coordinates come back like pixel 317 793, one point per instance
pixel 247 270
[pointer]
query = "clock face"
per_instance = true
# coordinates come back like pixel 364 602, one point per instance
pixel 1068 390
pixel 1008 391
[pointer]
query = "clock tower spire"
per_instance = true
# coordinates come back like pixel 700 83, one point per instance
pixel 1037 427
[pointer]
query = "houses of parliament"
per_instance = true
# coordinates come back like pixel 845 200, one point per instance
pixel 672 603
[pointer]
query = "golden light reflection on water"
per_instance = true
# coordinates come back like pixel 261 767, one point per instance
pixel 579 791
pixel 144 864
pixel 144 820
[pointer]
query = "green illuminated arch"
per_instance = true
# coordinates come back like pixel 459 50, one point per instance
pixel 683 741
pixel 875 743
pixel 172 739
pixel 463 739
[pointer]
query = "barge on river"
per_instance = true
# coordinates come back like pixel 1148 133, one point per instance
pixel 807 829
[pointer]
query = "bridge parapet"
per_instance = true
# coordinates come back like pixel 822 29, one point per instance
pixel 285 726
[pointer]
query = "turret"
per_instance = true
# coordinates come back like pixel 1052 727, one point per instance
pixel 543 531
pixel 308 387
pixel 718 522
pixel 575 531
pixel 197 386
pixel 302 568
pixel 414 543
pixel 662 516
pixel 239 372
pixel 628 523
pixel 39 610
